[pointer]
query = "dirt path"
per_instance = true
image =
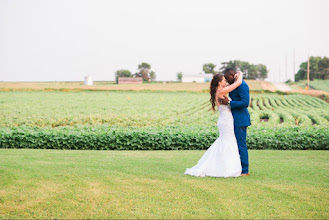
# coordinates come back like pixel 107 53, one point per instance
pixel 267 86
pixel 282 86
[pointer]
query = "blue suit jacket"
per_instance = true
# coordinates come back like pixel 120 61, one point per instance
pixel 239 104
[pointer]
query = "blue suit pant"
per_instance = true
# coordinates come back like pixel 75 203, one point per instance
pixel 241 137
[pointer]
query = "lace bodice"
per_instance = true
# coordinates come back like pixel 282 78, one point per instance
pixel 224 108
pixel 225 122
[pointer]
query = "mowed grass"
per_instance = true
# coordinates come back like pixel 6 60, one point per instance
pixel 314 84
pixel 151 184
pixel 320 84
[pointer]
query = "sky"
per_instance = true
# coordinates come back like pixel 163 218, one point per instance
pixel 65 40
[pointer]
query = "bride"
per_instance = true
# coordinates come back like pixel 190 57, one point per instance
pixel 222 158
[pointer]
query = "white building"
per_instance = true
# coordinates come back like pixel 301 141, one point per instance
pixel 200 78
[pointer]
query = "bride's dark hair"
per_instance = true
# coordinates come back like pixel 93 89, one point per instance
pixel 213 88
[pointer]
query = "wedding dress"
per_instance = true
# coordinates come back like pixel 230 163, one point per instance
pixel 222 158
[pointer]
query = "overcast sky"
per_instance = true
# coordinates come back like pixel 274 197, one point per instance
pixel 55 40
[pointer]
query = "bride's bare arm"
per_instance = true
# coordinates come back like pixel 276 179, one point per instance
pixel 235 85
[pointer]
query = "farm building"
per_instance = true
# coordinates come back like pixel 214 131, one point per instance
pixel 200 78
pixel 130 80
pixel 88 81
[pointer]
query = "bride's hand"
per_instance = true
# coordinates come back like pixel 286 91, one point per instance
pixel 237 75
pixel 223 101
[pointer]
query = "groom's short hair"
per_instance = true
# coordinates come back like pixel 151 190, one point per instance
pixel 229 74
pixel 229 71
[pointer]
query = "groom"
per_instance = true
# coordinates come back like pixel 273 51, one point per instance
pixel 239 105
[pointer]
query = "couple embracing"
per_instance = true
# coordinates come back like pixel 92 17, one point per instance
pixel 228 155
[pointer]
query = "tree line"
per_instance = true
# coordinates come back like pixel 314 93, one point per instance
pixel 250 71
pixel 319 69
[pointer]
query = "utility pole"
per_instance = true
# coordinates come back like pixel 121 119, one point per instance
pixel 308 73
pixel 294 65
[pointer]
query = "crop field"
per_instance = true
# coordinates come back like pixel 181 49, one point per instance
pixel 151 109
pixel 288 110
pixel 153 120
pixel 137 109
pixel 112 86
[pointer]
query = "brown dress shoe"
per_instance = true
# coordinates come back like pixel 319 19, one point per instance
pixel 244 174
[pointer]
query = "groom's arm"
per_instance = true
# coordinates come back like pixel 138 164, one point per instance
pixel 243 91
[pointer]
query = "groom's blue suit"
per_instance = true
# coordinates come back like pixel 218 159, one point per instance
pixel 239 105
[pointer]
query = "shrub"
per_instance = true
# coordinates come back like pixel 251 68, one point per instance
pixel 167 138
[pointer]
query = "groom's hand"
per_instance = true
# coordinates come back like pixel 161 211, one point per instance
pixel 223 101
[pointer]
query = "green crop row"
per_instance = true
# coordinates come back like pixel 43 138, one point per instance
pixel 288 111
pixel 167 138
pixel 147 109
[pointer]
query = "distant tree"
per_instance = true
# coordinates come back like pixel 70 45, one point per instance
pixel 262 71
pixel 152 75
pixel 179 76
pixel 244 67
pixel 209 68
pixel 314 67
pixel 144 66
pixel 324 68
pixel 250 71
pixel 319 69
pixel 235 64
pixel 302 72
pixel 144 71
pixel 122 73
pixel 224 66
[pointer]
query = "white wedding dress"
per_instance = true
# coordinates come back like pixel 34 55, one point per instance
pixel 222 158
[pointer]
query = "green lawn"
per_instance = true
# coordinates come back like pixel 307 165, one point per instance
pixel 315 84
pixel 320 84
pixel 151 184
